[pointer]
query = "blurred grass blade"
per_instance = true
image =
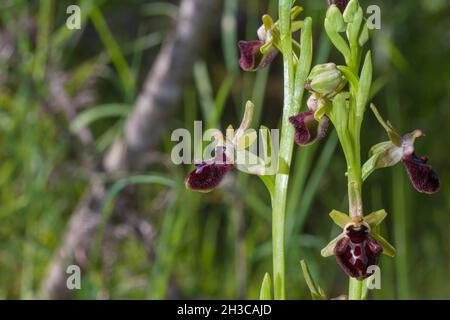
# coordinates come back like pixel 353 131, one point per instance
pixel 86 118
pixel 115 52
pixel 159 9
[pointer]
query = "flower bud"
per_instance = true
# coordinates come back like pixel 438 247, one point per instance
pixel 325 79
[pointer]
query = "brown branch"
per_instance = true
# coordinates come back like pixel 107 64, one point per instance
pixel 164 86
pixel 160 96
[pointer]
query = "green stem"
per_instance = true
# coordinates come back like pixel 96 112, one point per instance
pixel 294 82
pixel 355 291
pixel 353 157
pixel 286 147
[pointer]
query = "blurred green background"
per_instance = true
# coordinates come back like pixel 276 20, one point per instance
pixel 215 245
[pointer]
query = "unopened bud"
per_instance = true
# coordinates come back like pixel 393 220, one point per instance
pixel 325 79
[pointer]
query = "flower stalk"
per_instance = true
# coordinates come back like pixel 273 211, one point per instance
pixel 295 75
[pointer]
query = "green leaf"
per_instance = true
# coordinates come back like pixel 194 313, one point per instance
pixel 86 118
pixel 365 83
pixel 328 251
pixel 340 218
pixel 375 218
pixel 265 292
pixel 305 59
pixel 388 249
pixel 316 292
pixel 269 182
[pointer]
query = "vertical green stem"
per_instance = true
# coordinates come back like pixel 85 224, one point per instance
pixel 286 147
pixel 356 209
pixel 294 82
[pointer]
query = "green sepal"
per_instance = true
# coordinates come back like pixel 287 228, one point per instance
pixel 250 163
pixel 267 21
pixel 392 133
pixel 328 250
pixel 246 119
pixel 350 76
pixel 340 218
pixel 382 155
pixel 322 109
pixel 295 11
pixel 296 25
pixel 364 36
pixel 388 249
pixel 350 11
pixel 246 139
pixel 335 19
pixel 267 47
pixel 334 23
pixel 375 218
pixel 339 113
pixel 355 26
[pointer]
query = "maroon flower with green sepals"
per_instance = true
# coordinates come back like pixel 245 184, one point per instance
pixel 252 58
pixel 258 54
pixel 358 247
pixel 309 129
pixel 401 148
pixel 208 174
pixel 357 251
pixel 230 153
pixel 421 174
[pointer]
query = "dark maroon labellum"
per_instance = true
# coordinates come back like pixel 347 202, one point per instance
pixel 421 174
pixel 208 174
pixel 251 57
pixel 356 251
pixel 307 129
pixel 341 4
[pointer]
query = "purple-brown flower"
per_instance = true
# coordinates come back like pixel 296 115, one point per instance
pixel 356 251
pixel 421 174
pixel 359 246
pixel 208 174
pixel 252 58
pixel 307 129
pixel 401 148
